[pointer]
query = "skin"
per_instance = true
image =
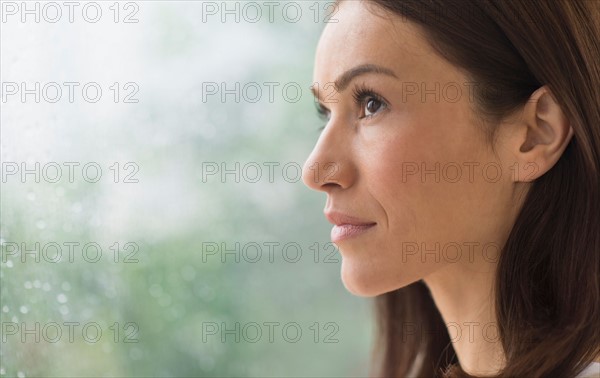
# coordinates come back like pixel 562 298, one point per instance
pixel 428 229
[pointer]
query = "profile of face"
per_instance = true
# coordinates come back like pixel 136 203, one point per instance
pixel 414 186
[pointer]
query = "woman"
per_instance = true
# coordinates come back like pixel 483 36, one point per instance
pixel 461 163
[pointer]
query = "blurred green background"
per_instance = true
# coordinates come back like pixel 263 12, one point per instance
pixel 167 268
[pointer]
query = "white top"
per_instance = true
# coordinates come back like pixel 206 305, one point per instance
pixel 592 371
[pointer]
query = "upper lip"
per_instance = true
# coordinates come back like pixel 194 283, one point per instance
pixel 339 218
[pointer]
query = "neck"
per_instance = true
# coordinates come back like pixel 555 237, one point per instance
pixel 463 293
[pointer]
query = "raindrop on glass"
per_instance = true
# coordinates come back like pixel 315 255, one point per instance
pixel 61 298
pixel 64 310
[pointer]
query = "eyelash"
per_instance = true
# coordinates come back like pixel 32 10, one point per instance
pixel 323 114
pixel 361 93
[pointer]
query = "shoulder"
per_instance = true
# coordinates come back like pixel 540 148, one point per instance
pixel 591 371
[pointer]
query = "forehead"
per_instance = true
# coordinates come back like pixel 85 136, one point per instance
pixel 365 34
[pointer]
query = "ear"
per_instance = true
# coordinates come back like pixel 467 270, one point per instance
pixel 543 133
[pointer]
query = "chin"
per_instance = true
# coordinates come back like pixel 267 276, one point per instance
pixel 362 280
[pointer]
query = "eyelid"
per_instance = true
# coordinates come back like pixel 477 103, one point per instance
pixel 362 92
pixel 322 110
pixel 324 113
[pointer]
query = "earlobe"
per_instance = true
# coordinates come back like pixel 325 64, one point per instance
pixel 548 132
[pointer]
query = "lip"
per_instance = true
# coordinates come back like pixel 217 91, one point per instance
pixel 347 226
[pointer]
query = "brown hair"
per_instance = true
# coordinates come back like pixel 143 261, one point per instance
pixel 548 279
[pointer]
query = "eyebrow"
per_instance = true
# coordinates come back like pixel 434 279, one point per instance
pixel 342 82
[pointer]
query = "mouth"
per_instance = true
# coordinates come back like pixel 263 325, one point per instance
pixel 347 226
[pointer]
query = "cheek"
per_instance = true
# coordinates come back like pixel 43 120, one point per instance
pixel 424 179
pixel 423 208
pixel 421 168
pixel 393 177
pixel 405 213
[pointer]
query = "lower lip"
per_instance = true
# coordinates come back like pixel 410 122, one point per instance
pixel 347 231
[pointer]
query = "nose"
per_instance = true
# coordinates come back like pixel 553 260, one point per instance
pixel 330 165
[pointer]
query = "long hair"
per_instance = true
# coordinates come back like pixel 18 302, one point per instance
pixel 547 289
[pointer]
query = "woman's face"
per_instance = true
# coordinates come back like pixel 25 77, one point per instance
pixel 410 177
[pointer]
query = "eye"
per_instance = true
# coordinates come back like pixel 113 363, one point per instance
pixel 324 114
pixel 369 102
pixel 372 105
